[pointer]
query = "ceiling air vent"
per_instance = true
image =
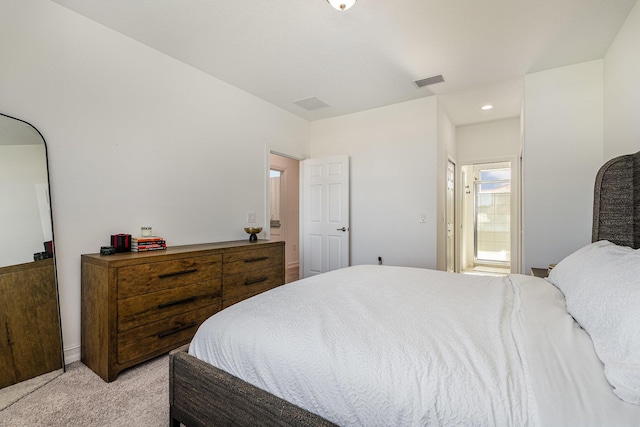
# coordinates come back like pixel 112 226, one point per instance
pixel 311 104
pixel 429 81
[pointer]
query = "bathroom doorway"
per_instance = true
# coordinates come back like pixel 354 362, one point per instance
pixel 487 207
pixel 284 210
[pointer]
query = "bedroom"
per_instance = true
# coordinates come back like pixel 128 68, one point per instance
pixel 106 103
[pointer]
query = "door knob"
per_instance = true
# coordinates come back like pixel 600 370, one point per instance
pixel 342 229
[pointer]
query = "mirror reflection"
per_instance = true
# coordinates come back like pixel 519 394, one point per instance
pixel 25 210
pixel 30 333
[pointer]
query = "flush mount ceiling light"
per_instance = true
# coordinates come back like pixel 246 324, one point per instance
pixel 341 4
pixel 487 107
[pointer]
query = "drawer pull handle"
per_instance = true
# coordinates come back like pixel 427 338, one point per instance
pixel 262 258
pixel 177 273
pixel 176 302
pixel 252 282
pixel 176 330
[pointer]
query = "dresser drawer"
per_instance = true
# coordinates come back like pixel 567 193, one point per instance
pixel 240 261
pixel 151 277
pixel 250 283
pixel 142 309
pixel 161 335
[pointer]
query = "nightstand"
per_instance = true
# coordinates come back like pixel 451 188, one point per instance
pixel 539 272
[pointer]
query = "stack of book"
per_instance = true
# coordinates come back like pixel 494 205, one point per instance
pixel 151 243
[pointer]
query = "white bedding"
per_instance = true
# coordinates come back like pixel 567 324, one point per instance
pixel 391 346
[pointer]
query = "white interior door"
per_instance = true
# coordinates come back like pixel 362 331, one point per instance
pixel 325 214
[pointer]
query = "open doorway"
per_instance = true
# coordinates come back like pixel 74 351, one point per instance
pixel 486 217
pixel 284 210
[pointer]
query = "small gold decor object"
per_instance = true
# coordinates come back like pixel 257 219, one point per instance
pixel 252 231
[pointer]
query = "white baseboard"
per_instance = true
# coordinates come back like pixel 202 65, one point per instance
pixel 71 354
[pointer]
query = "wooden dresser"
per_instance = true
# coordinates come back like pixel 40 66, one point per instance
pixel 136 306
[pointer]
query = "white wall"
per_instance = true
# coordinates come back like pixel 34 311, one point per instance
pixel 563 150
pixel 488 142
pixel 622 90
pixel 393 153
pixel 134 137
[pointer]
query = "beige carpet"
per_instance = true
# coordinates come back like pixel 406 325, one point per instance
pixel 13 393
pixel 139 397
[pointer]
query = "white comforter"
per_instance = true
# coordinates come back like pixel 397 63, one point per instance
pixel 393 346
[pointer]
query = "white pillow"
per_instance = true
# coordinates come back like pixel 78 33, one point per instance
pixel 601 284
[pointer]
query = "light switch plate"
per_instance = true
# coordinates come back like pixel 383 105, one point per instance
pixel 251 217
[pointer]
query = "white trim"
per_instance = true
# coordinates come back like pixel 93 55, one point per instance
pixel 287 153
pixel 456 268
pixel 72 354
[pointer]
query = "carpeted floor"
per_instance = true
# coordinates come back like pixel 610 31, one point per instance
pixel 79 397
pixel 15 392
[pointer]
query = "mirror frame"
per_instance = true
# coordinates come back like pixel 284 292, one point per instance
pixel 37 384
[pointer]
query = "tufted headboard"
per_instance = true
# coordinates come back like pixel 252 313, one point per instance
pixel 616 202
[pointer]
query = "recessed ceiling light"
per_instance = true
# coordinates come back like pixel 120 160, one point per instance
pixel 487 107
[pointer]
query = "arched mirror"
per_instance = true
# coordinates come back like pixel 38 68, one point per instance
pixel 30 334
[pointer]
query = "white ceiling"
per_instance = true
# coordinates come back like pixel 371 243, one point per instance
pixel 369 56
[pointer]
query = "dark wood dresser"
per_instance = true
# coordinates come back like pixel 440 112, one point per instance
pixel 138 305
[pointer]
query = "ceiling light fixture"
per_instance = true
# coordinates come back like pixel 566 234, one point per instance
pixel 341 4
pixel 487 107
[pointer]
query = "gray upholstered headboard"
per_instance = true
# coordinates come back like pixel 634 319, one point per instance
pixel 616 201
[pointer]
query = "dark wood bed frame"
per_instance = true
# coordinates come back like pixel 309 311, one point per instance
pixel 203 395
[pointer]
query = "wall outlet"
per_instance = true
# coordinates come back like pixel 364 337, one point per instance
pixel 423 218
pixel 251 217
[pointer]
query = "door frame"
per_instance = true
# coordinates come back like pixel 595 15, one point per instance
pixel 454 207
pixel 283 195
pixel 291 154
pixel 516 208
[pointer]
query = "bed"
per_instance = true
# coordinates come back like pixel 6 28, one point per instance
pixel 382 345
